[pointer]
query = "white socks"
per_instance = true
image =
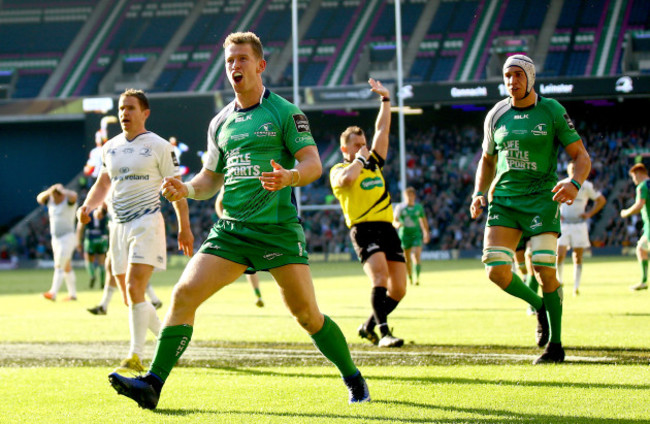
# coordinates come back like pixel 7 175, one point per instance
pixel 560 271
pixel 577 274
pixel 71 282
pixel 107 296
pixel 57 281
pixel 152 294
pixel 142 316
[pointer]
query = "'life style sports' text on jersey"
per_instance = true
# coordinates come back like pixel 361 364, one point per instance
pixel 367 199
pixel 241 144
pixel 643 192
pixel 409 217
pixel 571 213
pixel 527 142
pixel 136 168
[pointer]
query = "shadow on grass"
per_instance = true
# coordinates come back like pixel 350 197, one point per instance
pixel 486 415
pixel 453 380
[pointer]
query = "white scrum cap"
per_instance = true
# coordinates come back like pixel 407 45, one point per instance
pixel 525 63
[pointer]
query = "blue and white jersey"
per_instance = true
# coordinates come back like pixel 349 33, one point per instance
pixel 136 168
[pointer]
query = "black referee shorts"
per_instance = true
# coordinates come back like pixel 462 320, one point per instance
pixel 372 237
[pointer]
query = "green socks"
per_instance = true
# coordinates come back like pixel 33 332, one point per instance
pixel 331 343
pixel 258 293
pixel 172 342
pixel 102 274
pixel 644 270
pixel 517 288
pixel 553 303
pixel 532 283
pixel 418 268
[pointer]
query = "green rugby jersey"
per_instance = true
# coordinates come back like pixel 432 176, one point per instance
pixel 409 217
pixel 642 192
pixel 241 144
pixel 527 143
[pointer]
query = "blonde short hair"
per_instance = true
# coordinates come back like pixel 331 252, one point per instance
pixel 246 38
pixel 345 135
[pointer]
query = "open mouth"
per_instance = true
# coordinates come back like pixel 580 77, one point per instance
pixel 237 77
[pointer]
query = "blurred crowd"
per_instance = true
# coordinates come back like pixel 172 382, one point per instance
pixel 440 165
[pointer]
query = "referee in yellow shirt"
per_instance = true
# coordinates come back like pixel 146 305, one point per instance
pixel 359 186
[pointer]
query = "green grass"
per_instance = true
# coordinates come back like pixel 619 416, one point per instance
pixel 467 358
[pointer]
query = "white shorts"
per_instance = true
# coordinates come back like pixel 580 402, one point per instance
pixel 63 248
pixel 643 243
pixel 141 241
pixel 574 235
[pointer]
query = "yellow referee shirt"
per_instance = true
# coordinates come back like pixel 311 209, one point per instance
pixel 367 199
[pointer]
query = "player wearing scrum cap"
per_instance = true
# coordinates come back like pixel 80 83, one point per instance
pixel 522 137
pixel 639 174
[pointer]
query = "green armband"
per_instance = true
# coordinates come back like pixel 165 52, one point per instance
pixel 575 183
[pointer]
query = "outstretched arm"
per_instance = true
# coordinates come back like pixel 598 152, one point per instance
pixel 382 124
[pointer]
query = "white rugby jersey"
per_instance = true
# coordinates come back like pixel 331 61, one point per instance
pixel 571 213
pixel 62 217
pixel 136 168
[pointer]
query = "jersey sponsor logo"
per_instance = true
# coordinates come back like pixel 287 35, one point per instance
pixel 520 132
pixel 124 170
pixel 159 259
pixel 493 217
pixel 524 116
pixel 240 165
pixel 134 178
pixel 266 130
pixel 568 120
pixel 302 139
pixel 128 150
pixel 243 118
pixel 145 151
pixel 372 247
pixel 112 152
pixel 540 129
pixel 536 222
pixel 370 183
pixel 174 159
pixel 237 137
pixel 301 122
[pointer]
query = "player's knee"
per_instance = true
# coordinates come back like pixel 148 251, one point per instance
pixel 544 250
pixel 500 275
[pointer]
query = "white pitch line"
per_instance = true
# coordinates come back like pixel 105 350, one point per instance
pixel 110 351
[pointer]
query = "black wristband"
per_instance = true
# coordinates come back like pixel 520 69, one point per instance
pixel 385 99
pixel 362 160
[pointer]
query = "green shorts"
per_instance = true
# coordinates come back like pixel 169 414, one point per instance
pixel 410 239
pixel 96 246
pixel 258 246
pixel 532 214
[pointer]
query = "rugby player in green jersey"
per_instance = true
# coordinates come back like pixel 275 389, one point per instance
pixel 639 174
pixel 253 144
pixel 523 135
pixel 413 229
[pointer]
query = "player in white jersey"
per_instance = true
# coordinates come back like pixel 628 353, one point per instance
pixel 134 164
pixel 61 205
pixel 575 229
